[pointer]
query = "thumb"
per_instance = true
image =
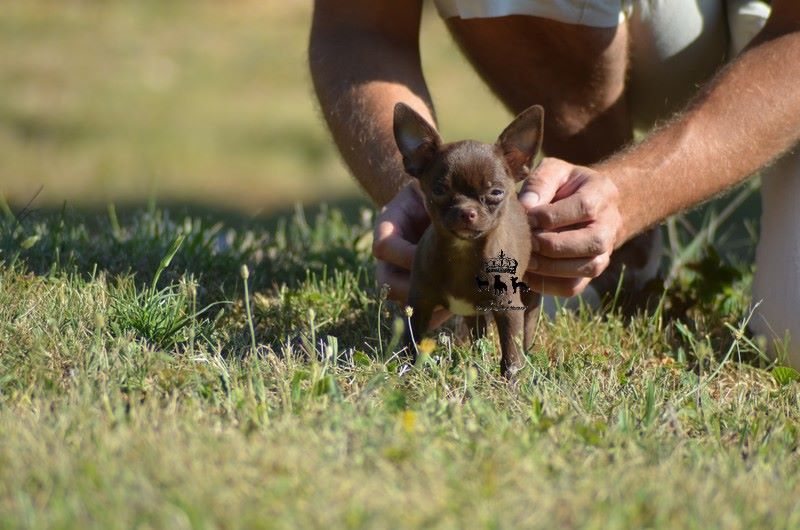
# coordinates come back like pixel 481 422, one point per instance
pixel 542 184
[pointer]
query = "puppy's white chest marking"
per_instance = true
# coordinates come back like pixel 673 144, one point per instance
pixel 460 307
pixel 461 244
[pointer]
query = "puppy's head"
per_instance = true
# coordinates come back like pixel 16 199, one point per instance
pixel 467 184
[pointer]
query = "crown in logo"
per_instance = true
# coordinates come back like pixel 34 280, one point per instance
pixel 501 263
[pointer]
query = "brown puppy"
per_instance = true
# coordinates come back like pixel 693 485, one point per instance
pixel 479 241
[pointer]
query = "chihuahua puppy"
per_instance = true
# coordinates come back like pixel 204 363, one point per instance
pixel 478 244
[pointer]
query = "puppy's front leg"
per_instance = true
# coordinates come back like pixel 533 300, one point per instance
pixel 510 326
pixel 532 302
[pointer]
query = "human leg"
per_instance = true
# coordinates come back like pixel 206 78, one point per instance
pixel 576 72
pixel 776 284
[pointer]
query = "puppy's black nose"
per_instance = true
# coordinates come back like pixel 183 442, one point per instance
pixel 469 215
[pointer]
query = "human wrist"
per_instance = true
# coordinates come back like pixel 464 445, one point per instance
pixel 627 183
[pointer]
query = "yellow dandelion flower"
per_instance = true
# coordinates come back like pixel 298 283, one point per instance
pixel 426 346
pixel 409 421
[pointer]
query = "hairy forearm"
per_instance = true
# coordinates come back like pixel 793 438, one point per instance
pixel 742 120
pixel 358 78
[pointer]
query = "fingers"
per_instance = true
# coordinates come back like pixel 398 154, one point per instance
pixel 407 209
pixel 569 268
pixel 578 208
pixel 584 198
pixel 576 222
pixel 544 182
pixel 398 227
pixel 588 242
pixel 390 245
pixel 565 287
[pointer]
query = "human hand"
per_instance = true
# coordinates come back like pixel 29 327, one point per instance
pixel 398 228
pixel 574 212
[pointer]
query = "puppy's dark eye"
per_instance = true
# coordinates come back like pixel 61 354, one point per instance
pixel 439 189
pixel 496 193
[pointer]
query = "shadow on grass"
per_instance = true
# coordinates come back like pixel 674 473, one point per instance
pixel 311 257
pixel 282 247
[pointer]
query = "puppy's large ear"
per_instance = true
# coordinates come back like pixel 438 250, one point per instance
pixel 521 140
pixel 417 140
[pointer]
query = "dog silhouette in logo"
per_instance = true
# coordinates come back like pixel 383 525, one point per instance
pixel 523 287
pixel 483 284
pixel 499 286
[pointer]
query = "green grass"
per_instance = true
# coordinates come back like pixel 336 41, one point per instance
pixel 131 393
pixel 649 422
pixel 200 102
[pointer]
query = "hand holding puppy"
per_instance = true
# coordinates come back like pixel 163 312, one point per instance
pixel 574 214
pixel 398 229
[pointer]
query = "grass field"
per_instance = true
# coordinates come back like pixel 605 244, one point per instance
pixel 206 103
pixel 147 380
pixel 131 395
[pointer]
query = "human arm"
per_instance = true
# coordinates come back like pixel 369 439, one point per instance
pixel 364 57
pixel 747 116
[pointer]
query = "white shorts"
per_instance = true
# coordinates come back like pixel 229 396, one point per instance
pixel 596 13
pixel 601 13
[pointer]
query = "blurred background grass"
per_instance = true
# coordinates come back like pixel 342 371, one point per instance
pixel 203 103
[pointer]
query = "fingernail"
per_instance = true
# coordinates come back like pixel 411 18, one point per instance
pixel 529 199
